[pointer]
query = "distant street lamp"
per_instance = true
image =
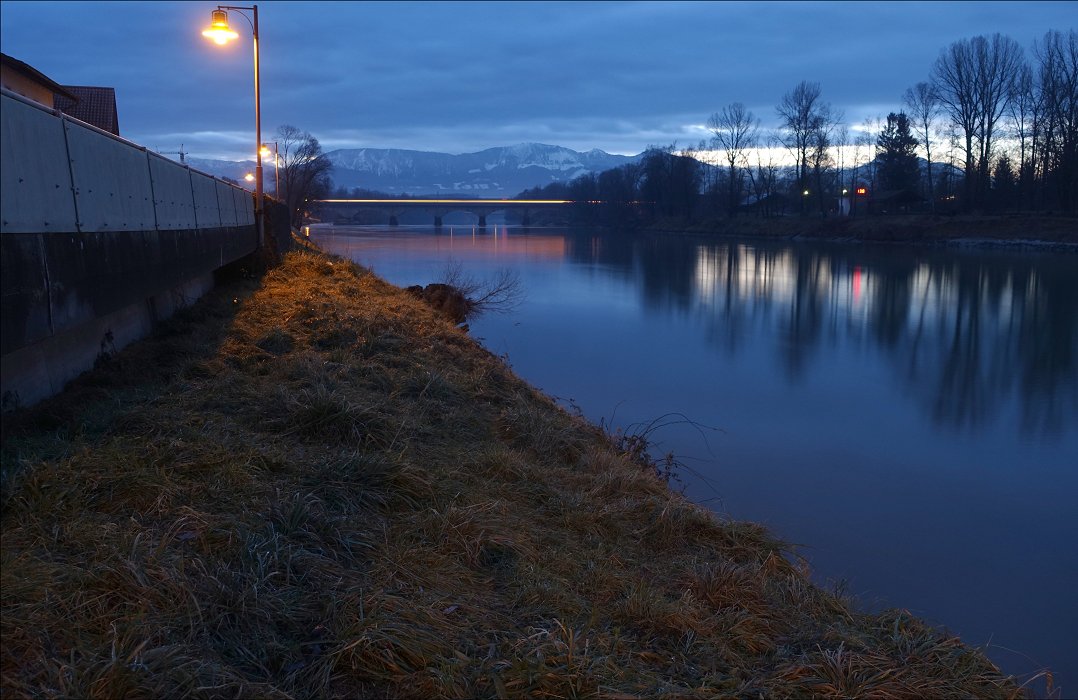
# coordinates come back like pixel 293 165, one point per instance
pixel 276 167
pixel 221 34
pixel 249 177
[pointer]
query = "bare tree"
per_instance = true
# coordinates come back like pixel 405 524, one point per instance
pixel 924 106
pixel 765 175
pixel 1057 56
pixel 798 115
pixel 735 131
pixel 822 163
pixel 974 82
pixel 842 145
pixel 866 144
pixel 304 170
pixel 1025 113
pixel 807 122
pixel 500 294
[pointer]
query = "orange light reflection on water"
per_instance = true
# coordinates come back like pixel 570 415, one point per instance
pixel 472 241
pixel 499 202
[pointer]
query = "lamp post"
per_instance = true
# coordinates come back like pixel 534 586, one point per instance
pixel 221 34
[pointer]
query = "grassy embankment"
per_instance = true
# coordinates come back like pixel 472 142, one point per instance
pixel 912 228
pixel 323 488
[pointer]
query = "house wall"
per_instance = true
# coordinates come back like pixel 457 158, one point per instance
pixel 18 83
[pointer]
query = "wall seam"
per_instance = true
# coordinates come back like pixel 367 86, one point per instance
pixel 71 174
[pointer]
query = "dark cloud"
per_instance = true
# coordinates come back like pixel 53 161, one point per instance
pixel 465 76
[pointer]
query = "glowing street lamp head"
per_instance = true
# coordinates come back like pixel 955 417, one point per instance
pixel 265 150
pixel 249 177
pixel 219 30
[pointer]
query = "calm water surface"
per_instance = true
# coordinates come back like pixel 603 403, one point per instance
pixel 908 416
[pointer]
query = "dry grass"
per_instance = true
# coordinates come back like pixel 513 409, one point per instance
pixel 323 489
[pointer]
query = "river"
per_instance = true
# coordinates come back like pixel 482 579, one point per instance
pixel 907 416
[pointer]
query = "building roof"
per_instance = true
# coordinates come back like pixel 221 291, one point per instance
pixel 93 105
pixel 35 75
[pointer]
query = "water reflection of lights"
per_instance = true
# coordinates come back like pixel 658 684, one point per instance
pixel 491 243
pixel 750 274
pixel 782 279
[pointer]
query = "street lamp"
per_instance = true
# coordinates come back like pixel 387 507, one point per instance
pixel 276 167
pixel 221 34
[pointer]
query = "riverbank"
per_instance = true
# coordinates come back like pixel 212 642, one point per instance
pixel 312 484
pixel 901 228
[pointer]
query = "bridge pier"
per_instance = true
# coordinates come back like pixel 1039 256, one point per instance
pixel 526 220
pixel 437 222
pixel 482 221
pixel 393 220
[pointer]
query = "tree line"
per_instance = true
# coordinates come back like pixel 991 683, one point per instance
pixel 992 129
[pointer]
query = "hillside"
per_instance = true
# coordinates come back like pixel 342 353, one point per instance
pixel 496 172
pixel 310 484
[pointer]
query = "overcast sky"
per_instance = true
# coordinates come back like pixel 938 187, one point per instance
pixel 460 77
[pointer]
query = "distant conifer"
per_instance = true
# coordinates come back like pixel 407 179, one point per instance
pixel 896 155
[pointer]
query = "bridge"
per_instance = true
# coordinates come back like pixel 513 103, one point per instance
pixel 344 210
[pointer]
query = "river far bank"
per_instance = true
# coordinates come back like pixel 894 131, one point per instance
pixel 312 484
pixel 1025 230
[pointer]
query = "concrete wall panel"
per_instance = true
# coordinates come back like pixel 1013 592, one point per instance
pixel 172 196
pixel 244 203
pixel 227 203
pixel 207 211
pixel 36 180
pixel 112 182
pixel 246 207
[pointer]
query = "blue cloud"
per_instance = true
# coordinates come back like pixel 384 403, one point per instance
pixel 465 76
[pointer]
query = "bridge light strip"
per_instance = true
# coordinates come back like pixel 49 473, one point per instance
pixel 447 201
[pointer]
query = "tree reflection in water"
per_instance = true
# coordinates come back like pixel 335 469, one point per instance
pixel 966 330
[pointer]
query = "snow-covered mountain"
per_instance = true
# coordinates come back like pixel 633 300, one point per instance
pixel 501 172
pixel 497 172
pixel 226 168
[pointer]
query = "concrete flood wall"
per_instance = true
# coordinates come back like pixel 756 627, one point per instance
pixel 99 240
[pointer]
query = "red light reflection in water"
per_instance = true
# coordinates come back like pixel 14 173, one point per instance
pixel 856 284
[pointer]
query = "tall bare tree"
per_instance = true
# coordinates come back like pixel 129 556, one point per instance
pixel 799 118
pixel 765 175
pixel 1025 113
pixel 866 144
pixel 1057 56
pixel 304 170
pixel 822 141
pixel 974 82
pixel 735 130
pixel 806 123
pixel 924 106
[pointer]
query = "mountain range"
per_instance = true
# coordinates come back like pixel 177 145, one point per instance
pixel 495 172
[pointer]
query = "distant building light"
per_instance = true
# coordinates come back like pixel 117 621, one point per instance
pixel 862 190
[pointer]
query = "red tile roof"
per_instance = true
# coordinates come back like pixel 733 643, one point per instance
pixel 93 105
